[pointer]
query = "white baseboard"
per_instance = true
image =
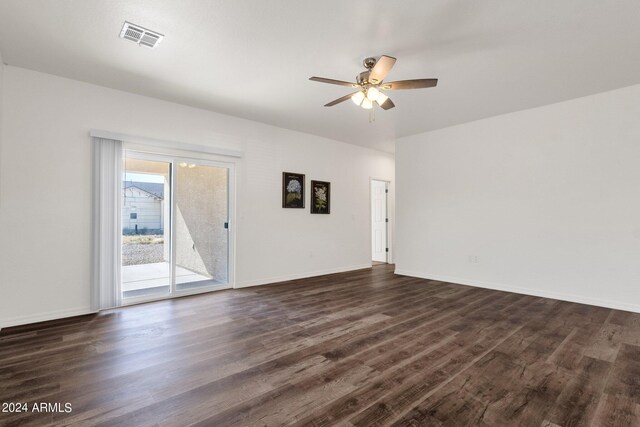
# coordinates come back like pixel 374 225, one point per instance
pixel 42 317
pixel 53 315
pixel 286 278
pixel 526 291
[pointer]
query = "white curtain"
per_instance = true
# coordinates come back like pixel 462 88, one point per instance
pixel 107 230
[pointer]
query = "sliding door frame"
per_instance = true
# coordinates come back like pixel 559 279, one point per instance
pixel 174 160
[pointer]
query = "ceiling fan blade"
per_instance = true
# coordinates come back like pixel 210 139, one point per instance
pixel 332 81
pixel 387 105
pixel 339 100
pixel 410 84
pixel 381 69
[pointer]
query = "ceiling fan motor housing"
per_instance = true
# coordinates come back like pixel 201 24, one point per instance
pixel 363 77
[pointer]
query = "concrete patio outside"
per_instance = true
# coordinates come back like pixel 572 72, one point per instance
pixel 144 279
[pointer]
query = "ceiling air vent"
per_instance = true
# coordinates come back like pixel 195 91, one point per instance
pixel 140 35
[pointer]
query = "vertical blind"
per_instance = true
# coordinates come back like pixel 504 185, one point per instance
pixel 107 189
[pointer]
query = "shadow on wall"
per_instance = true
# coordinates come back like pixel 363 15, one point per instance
pixel 201 211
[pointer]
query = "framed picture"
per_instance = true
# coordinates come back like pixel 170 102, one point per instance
pixel 320 197
pixel 292 190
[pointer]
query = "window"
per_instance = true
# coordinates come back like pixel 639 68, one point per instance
pixel 133 215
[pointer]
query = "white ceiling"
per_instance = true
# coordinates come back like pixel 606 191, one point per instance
pixel 252 58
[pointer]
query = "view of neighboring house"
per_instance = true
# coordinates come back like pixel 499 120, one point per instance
pixel 142 207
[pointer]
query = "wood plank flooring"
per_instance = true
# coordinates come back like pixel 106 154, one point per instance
pixel 364 348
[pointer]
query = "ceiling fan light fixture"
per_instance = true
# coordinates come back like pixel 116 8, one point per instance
pixel 373 94
pixel 357 98
pixel 367 104
pixel 382 98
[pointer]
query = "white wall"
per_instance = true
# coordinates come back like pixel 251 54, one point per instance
pixel 544 201
pixel 1 118
pixel 45 268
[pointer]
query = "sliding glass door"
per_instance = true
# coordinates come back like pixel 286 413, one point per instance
pixel 146 228
pixel 175 226
pixel 201 221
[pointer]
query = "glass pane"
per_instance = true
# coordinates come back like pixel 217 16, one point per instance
pixel 146 219
pixel 201 238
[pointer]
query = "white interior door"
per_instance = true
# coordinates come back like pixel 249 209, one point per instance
pixel 379 221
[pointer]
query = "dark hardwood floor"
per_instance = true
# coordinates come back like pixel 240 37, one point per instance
pixel 363 348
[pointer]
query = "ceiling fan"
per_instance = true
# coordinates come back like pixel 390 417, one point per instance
pixel 370 84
